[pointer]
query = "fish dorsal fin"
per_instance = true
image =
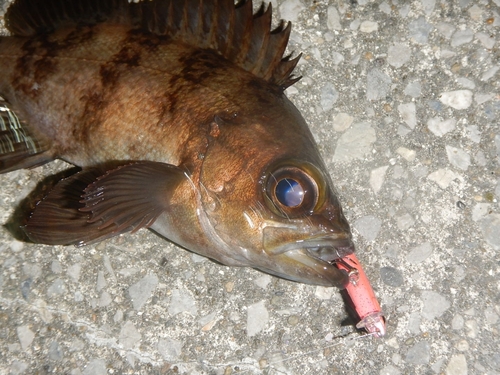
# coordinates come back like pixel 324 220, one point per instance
pixel 32 17
pixel 237 34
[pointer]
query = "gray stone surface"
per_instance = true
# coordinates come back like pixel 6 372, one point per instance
pixel 405 94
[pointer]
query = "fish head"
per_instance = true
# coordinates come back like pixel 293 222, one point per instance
pixel 269 200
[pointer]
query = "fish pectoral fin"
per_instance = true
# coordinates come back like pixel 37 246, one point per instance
pixel 132 197
pixel 57 219
pixel 91 206
pixel 20 147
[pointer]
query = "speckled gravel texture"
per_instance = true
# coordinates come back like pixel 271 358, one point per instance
pixel 403 98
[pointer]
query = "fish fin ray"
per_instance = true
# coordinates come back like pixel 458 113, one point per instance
pixel 237 34
pixel 233 31
pixel 96 204
pixel 259 39
pixel 57 220
pixel 132 196
pixel 285 78
pixel 20 147
pixel 31 17
pixel 239 43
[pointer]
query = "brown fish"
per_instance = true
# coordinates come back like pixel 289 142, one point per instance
pixel 176 113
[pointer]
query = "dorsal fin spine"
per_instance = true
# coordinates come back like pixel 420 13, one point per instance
pixel 214 21
pixel 242 27
pixel 261 39
pixel 170 20
pixel 231 30
pixel 196 13
pixel 225 23
pixel 278 43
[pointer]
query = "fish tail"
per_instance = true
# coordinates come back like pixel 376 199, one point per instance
pixel 19 146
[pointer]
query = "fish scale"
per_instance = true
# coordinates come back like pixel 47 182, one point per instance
pixel 176 113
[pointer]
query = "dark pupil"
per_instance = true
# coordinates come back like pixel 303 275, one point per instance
pixel 289 192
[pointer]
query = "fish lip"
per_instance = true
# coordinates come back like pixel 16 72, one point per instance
pixel 313 260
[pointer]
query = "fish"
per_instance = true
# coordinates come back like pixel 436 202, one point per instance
pixel 176 114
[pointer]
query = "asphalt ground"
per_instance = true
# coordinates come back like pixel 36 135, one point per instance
pixel 403 98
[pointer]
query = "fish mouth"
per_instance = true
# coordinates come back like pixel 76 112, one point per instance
pixel 325 249
pixel 329 250
pixel 314 261
pixel 297 256
pixel 322 246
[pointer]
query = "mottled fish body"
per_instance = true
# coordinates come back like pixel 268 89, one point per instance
pixel 176 113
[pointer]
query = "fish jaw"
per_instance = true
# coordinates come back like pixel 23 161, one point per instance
pixel 308 259
pixel 322 256
pixel 298 265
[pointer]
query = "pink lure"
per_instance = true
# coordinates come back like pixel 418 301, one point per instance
pixel 363 298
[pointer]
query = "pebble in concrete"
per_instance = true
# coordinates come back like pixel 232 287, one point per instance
pixel 377 178
pixel 329 96
pixel 413 89
pixel 368 26
pixel 56 288
pixel 170 348
pixel 462 37
pixel 290 9
pixel 257 318
pixel 398 55
pixel 457 365
pixel 74 271
pixel 458 157
pixel 25 336
pixel 18 367
pixel 355 143
pixel 440 127
pixel 434 304
pixel 443 177
pixel 408 113
pixel 141 291
pixel 55 351
pixel 419 354
pixel 419 253
pixel 129 335
pixel 459 99
pixel 333 19
pixel 391 276
pixel 95 367
pixel 263 281
pixel 101 281
pixel 342 121
pixel 490 227
pixel 378 84
pixel 419 30
pixel 368 227
pixel 182 301
pixel 428 6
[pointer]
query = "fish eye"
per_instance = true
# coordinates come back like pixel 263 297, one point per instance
pixel 289 192
pixel 292 191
